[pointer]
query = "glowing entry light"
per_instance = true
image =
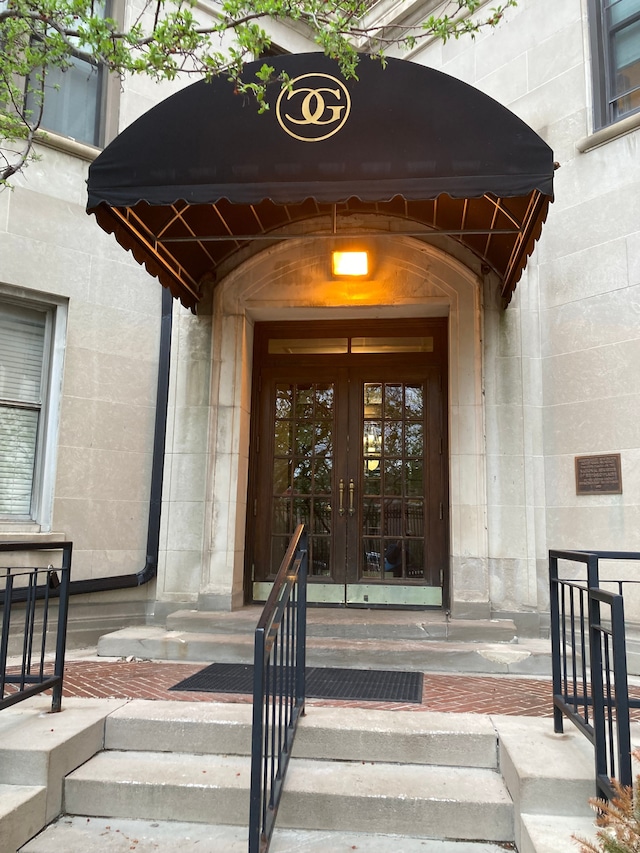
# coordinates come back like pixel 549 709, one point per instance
pixel 349 263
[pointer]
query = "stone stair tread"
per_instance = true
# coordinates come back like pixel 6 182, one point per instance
pixel 164 769
pixel 432 783
pixel 14 796
pixel 434 738
pixel 534 762
pixel 530 657
pixel 366 624
pixel 22 814
pixel 357 796
pixel 325 733
pixel 552 834
pixel 77 835
pixel 166 726
pixel 164 786
pixel 349 778
pixel 30 735
pixel 436 802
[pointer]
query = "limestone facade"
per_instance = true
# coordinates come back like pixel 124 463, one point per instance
pixel 553 377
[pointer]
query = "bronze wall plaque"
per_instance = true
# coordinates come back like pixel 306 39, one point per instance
pixel 599 475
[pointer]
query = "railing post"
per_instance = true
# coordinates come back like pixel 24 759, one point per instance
pixel 554 613
pixel 6 621
pixel 257 737
pixel 597 690
pixel 61 639
pixel 301 625
pixel 623 732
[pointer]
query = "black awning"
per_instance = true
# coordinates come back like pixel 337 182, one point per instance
pixel 203 172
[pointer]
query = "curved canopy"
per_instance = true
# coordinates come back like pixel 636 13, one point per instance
pixel 201 174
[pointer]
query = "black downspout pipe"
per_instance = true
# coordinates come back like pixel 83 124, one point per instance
pixel 150 569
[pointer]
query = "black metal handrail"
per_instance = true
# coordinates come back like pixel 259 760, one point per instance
pixel 27 594
pixel 589 662
pixel 278 688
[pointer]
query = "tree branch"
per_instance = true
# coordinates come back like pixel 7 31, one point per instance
pixel 38 35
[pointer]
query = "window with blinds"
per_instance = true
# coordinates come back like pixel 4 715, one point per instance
pixel 22 363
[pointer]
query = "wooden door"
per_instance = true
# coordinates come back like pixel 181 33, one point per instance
pixel 353 444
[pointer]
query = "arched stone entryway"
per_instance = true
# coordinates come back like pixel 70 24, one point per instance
pixel 289 282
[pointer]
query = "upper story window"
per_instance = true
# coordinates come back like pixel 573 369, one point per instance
pixel 75 100
pixel 615 41
pixel 30 376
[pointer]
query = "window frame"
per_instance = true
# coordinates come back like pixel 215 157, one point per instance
pixel 55 310
pixel 603 72
pixel 98 136
pixel 107 98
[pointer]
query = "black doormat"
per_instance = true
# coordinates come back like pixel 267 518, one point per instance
pixel 370 685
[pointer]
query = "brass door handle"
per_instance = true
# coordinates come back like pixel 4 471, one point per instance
pixel 352 489
pixel 341 493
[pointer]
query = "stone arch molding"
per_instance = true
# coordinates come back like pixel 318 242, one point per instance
pixel 291 280
pixel 408 275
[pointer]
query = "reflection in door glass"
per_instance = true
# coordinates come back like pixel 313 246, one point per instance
pixel 320 565
pixel 393 438
pixel 392 476
pixel 413 401
pixel 302 470
pixel 283 401
pixel 322 476
pixel 393 401
pixel 413 470
pixel 393 505
pixel 302 477
pixel 281 475
pixel 281 523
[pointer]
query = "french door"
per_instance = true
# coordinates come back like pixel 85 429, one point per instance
pixel 352 443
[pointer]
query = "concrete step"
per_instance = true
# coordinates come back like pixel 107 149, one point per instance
pixel 548 775
pixel 77 835
pixel 530 657
pixel 552 834
pixel 354 624
pixel 22 814
pixel 450 740
pixel 436 802
pixel 37 750
pixel 382 782
pixel 161 786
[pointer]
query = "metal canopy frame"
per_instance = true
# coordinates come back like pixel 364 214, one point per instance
pixel 183 244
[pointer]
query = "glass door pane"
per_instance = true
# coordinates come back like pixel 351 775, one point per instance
pixel 303 461
pixel 393 461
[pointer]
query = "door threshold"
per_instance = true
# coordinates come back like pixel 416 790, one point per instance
pixel 364 595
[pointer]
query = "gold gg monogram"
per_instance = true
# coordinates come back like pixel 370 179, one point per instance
pixel 315 107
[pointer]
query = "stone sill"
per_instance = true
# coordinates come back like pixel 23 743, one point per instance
pixel 67 145
pixel 22 534
pixel 607 134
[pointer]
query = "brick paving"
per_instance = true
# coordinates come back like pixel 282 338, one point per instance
pixel 454 693
pixel 475 694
